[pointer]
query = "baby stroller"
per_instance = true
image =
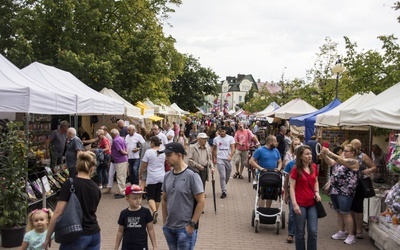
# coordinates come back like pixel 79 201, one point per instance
pixel 269 186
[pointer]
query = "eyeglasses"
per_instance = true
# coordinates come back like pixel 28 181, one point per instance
pixel 346 151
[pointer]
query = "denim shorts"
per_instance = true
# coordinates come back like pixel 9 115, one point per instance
pixel 342 203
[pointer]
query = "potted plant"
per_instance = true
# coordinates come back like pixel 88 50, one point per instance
pixel 13 175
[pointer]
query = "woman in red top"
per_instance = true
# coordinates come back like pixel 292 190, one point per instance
pixel 102 168
pixel 303 188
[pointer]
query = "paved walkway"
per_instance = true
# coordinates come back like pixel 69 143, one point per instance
pixel 231 227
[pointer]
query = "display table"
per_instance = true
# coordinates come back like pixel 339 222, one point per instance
pixel 385 235
pixel 376 206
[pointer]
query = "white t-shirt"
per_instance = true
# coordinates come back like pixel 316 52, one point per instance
pixel 170 132
pixel 131 143
pixel 223 145
pixel 163 140
pixel 155 166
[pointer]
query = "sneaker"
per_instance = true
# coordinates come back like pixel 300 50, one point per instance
pixel 155 217
pixel 350 240
pixel 339 236
pixel 223 195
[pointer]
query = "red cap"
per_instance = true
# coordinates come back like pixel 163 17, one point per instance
pixel 134 189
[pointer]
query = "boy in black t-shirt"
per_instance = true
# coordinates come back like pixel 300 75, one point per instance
pixel 134 223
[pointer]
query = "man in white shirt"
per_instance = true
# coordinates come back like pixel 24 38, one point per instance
pixel 169 133
pixel 133 143
pixel 163 138
pixel 223 150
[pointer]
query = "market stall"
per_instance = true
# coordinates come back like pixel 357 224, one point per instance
pixel 308 120
pixel 382 111
pixel 89 101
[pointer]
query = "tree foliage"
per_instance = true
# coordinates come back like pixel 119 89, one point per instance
pixel 115 44
pixel 196 82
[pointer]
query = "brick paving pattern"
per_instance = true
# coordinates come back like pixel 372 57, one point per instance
pixel 231 227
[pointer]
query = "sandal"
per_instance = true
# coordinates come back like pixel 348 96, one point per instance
pixel 289 239
pixel 240 176
pixel 235 175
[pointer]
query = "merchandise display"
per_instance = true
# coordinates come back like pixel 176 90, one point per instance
pixel 43 186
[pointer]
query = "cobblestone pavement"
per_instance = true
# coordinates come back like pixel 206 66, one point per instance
pixel 231 227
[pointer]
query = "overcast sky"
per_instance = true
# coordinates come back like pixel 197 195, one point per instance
pixel 262 37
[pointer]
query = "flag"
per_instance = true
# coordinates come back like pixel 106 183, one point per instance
pixel 228 95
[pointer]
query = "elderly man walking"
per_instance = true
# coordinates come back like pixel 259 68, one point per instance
pixel 119 156
pixel 200 157
pixel 73 147
pixel 133 143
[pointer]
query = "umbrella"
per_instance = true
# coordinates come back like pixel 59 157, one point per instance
pixel 213 189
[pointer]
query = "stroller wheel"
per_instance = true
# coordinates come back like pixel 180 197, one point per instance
pixel 283 219
pixel 253 217
pixel 277 227
pixel 256 225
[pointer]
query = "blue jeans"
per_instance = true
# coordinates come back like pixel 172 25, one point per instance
pixel 291 220
pixel 179 239
pixel 102 171
pixel 134 165
pixel 85 242
pixel 309 214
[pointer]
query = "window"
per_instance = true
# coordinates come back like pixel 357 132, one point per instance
pixel 240 98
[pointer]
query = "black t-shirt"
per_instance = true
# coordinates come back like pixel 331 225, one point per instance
pixel 188 127
pixel 281 144
pixel 135 228
pixel 89 195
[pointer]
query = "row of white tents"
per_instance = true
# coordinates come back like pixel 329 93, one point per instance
pixel 43 89
pixel 365 109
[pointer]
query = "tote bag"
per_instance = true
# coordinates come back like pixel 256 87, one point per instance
pixel 69 225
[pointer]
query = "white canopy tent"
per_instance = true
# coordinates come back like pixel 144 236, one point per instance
pixel 268 111
pixel 381 111
pixel 21 93
pixel 295 107
pixel 89 100
pixel 180 111
pixel 130 110
pixel 332 117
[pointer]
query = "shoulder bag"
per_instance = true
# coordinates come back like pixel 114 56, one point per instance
pixel 366 184
pixel 69 225
pixel 318 204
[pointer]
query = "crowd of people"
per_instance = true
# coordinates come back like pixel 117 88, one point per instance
pixel 151 165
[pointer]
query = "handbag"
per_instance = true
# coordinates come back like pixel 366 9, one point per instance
pixel 368 189
pixel 318 205
pixel 320 209
pixel 69 225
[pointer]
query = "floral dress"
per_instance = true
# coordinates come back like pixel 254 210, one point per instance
pixel 343 181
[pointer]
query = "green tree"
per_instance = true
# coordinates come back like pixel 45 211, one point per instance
pixel 321 76
pixel 115 44
pixel 372 70
pixel 196 82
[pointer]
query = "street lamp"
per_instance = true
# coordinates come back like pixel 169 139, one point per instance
pixel 337 69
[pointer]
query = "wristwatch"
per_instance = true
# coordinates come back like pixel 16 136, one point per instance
pixel 192 224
